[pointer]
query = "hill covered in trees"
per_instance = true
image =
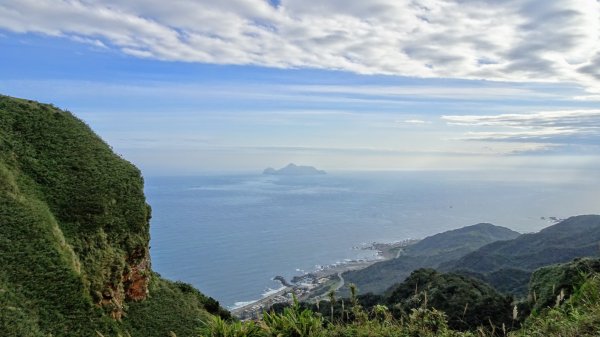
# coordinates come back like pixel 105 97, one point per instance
pixel 427 253
pixel 507 265
pixel 491 253
pixel 74 257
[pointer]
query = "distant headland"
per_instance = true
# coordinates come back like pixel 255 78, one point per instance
pixel 294 170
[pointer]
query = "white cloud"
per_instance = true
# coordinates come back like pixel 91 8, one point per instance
pixel 594 98
pixel 582 118
pixel 92 42
pixel 413 122
pixel 531 40
pixel 557 127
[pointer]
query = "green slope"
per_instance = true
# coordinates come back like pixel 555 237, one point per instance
pixel 508 264
pixel 427 253
pixel 566 301
pixel 73 230
pixel 550 282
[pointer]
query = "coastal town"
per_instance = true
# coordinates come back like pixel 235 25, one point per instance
pixel 317 284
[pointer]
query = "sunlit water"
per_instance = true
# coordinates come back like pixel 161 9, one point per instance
pixel 229 235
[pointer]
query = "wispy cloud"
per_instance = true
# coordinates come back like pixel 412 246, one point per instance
pixel 350 94
pixel 471 91
pixel 561 118
pixel 557 127
pixel 413 122
pixel 531 40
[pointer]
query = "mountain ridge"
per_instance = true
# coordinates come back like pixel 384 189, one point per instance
pixel 429 252
pixel 575 237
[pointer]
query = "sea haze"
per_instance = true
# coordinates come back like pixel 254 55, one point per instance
pixel 229 235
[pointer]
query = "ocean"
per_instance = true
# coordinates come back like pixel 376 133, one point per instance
pixel 230 234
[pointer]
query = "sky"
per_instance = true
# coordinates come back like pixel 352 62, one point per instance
pixel 183 87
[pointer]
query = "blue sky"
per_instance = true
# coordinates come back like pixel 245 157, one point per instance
pixel 197 86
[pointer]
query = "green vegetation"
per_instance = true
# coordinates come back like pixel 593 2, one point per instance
pixel 427 253
pixel 552 282
pixel 74 235
pixel 461 241
pixel 171 307
pixel 578 315
pixel 507 265
pixel 467 302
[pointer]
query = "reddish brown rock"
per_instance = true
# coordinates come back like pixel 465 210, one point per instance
pixel 136 280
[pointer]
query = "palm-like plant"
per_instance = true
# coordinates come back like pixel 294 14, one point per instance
pixel 331 296
pixel 293 322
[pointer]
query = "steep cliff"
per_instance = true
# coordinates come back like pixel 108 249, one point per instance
pixel 74 229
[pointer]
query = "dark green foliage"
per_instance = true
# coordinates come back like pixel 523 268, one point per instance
pixel 468 303
pixel 427 253
pixel 505 280
pixel 16 320
pixel 210 304
pixel 73 219
pixel 505 264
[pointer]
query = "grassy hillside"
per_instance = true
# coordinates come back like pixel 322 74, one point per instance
pixel 427 253
pixel 74 233
pixel 551 282
pixel 577 317
pixel 508 264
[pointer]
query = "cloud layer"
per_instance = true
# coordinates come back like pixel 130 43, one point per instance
pixel 513 40
pixel 570 127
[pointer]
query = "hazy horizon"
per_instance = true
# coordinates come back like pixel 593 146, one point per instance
pixel 383 85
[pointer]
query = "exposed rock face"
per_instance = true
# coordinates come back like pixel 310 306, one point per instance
pixel 136 280
pixel 133 285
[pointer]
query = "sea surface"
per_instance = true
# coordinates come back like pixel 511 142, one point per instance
pixel 230 234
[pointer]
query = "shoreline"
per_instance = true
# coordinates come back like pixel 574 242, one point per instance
pixel 316 284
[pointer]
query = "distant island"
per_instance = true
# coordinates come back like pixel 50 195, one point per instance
pixel 294 170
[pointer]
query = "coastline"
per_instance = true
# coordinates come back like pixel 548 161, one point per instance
pixel 316 284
